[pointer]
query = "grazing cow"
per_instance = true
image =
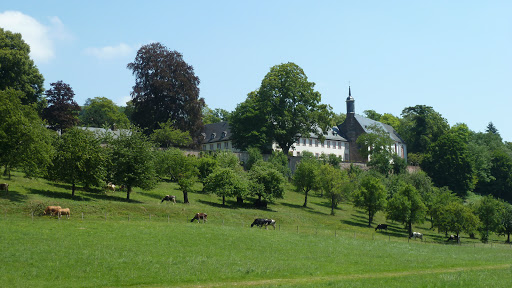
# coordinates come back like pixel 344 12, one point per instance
pixel 382 227
pixel 4 186
pixel 51 210
pixel 260 222
pixel 200 216
pixel 64 211
pixel 454 238
pixel 170 198
pixel 111 187
pixel 416 235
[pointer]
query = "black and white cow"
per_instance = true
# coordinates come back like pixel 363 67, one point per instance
pixel 260 222
pixel 170 198
pixel 382 227
pixel 415 235
pixel 454 238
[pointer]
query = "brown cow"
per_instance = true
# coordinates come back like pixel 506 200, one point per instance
pixel 51 210
pixel 199 216
pixel 4 186
pixel 64 211
pixel 111 187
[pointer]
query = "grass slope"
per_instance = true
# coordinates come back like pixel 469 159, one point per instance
pixel 148 244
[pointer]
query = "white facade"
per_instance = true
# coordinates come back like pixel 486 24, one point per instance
pixel 315 146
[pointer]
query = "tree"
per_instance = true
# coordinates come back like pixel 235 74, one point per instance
pixel 305 177
pixel 216 115
pixel 488 210
pixel 24 141
pixel 17 70
pixel 420 126
pixel 266 183
pixel 131 161
pixel 337 119
pixel 456 217
pixel 436 206
pixel 254 156
pixel 334 183
pixel 391 120
pixel 165 88
pixel 491 129
pixel 371 196
pixel 225 182
pixel 371 114
pixel 280 163
pixel 62 111
pixel 168 136
pixel 283 108
pixel 375 145
pixel 505 225
pixel 206 165
pixel 406 207
pixel 184 170
pixel 100 112
pixel 80 159
pixel 448 163
pixel 500 184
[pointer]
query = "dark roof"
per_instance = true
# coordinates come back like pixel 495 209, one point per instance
pixel 366 123
pixel 216 132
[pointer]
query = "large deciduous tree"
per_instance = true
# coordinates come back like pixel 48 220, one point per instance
pixel 406 206
pixel 305 177
pixel 62 111
pixel 79 159
pixel 165 88
pixel 371 196
pixel 334 183
pixel 266 183
pixel 131 161
pixel 17 70
pixel 100 112
pixel 420 126
pixel 283 108
pixel 24 140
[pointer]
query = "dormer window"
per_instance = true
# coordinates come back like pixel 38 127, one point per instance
pixel 224 133
pixel 213 136
pixel 204 135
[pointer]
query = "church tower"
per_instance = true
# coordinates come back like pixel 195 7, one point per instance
pixel 350 103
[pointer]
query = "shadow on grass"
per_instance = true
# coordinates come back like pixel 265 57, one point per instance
pixel 153 195
pixel 13 196
pixel 307 209
pixel 61 195
pixel 355 223
pixel 231 204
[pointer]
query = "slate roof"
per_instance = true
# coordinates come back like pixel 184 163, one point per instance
pixel 366 123
pixel 216 132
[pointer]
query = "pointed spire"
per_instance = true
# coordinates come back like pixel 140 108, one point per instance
pixel 350 102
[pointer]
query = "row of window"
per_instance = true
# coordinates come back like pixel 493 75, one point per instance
pixel 219 146
pixel 317 143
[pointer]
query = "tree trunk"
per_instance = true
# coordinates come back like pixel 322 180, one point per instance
pixel 409 228
pixel 370 219
pixel 305 199
pixel 223 200
pixel 333 204
pixel 508 237
pixel 73 189
pixel 185 197
pixel 239 200
pixel 128 191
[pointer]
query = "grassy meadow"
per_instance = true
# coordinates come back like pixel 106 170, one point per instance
pixel 144 243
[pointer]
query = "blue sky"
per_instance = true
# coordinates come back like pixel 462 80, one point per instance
pixel 455 56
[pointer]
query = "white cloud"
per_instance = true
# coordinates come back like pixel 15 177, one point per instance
pixel 38 36
pixel 111 52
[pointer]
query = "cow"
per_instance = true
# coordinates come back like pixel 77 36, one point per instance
pixel 4 186
pixel 170 198
pixel 415 235
pixel 111 187
pixel 51 210
pixel 382 227
pixel 200 216
pixel 260 222
pixel 454 238
pixel 64 211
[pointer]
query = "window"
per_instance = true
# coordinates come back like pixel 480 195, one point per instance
pixel 304 141
pixel 310 142
pixel 298 153
pixel 328 144
pixel 211 146
pixel 218 146
pixel 204 147
pixel 226 145
pixel 339 145
pixel 323 143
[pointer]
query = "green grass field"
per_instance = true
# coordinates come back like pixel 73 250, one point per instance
pixel 147 244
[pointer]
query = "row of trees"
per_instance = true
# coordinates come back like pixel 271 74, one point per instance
pixel 407 198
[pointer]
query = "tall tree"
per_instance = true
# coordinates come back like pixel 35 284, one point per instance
pixel 305 177
pixel 24 141
pixel 266 183
pixel 80 159
pixel 488 210
pixel 101 111
pixel 371 196
pixel 505 225
pixel 166 87
pixel 500 184
pixel 225 182
pixel 214 115
pixel 287 106
pixel 62 111
pixel 17 70
pixel 407 207
pixel 131 161
pixel 420 126
pixel 335 185
pixel 456 217
pixel 491 129
pixel 372 115
pixel 448 163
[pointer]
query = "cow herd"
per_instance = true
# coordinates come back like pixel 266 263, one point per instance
pixel 57 211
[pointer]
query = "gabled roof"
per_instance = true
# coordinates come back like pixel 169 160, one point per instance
pixel 366 123
pixel 333 134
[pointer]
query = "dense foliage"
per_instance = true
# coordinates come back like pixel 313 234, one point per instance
pixel 62 111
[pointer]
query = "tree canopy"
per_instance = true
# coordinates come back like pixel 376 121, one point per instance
pixel 17 70
pixel 62 111
pixel 166 87
pixel 371 196
pixel 100 112
pixel 284 107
